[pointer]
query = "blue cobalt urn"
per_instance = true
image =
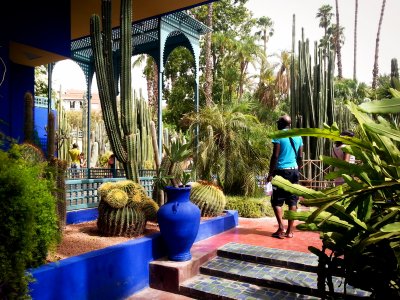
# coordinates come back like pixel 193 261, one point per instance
pixel 179 221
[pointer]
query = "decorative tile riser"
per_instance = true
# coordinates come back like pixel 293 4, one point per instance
pixel 211 287
pixel 267 276
pixel 268 261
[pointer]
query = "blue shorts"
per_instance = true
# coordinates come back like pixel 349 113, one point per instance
pixel 280 196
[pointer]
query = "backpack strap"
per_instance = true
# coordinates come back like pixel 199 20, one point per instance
pixel 294 148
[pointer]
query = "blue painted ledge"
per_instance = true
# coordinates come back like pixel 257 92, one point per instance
pixel 82 215
pixel 114 272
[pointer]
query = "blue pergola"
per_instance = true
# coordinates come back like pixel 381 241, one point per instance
pixel 157 37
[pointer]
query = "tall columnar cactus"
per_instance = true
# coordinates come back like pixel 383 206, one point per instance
pixel 124 209
pixel 59 167
pixel 394 74
pixel 123 143
pixel 28 121
pixel 129 135
pixel 51 135
pixel 208 197
pixel 311 95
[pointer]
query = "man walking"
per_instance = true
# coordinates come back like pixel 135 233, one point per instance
pixel 284 163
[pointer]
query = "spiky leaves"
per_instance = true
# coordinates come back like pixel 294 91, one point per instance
pixel 360 219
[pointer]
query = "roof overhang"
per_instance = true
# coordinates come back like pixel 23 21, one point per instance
pixel 142 10
pixel 80 12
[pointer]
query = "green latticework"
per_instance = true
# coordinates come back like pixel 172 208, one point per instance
pixel 208 197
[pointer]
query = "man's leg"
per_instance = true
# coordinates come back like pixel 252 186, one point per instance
pixel 289 230
pixel 278 215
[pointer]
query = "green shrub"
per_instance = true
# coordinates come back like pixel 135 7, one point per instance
pixel 28 227
pixel 250 207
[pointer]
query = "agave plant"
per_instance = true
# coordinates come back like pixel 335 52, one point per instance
pixel 360 220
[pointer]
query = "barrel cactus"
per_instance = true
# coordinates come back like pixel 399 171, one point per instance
pixel 150 208
pixel 208 197
pixel 124 209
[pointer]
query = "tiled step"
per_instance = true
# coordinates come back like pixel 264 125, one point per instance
pixel 297 281
pixel 212 287
pixel 270 256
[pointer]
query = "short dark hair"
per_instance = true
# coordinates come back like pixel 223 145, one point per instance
pixel 347 133
pixel 344 133
pixel 74 145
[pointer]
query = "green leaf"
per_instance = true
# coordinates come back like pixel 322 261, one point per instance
pixel 384 130
pixel 385 106
pixel 376 238
pixel 393 227
pixel 341 213
pixel 296 189
pixel 394 211
pixel 321 133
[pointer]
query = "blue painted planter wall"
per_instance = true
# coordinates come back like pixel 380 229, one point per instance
pixel 115 272
pixel 80 216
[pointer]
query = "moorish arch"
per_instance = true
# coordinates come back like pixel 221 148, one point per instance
pixel 157 37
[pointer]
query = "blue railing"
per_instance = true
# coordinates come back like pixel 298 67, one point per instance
pixel 82 185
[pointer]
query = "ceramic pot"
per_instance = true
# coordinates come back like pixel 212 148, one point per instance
pixel 179 221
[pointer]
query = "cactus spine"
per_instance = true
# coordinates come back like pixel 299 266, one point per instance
pixel 208 197
pixel 29 124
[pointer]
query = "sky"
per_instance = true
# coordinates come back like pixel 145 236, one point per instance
pixel 67 74
pixel 281 12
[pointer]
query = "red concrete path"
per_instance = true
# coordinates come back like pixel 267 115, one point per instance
pixel 249 231
pixel 258 232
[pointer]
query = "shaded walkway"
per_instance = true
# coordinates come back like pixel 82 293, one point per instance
pixel 249 231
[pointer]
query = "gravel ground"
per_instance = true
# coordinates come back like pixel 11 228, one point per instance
pixel 84 237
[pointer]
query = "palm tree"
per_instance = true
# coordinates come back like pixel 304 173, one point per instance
pixel 337 44
pixel 246 51
pixel 325 15
pixel 266 31
pixel 376 68
pixel 282 81
pixel 355 41
pixel 208 74
pixel 224 137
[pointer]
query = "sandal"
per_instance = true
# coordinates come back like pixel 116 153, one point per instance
pixel 289 235
pixel 278 234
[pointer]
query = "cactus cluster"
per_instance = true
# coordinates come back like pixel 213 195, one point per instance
pixel 208 197
pixel 124 209
pixel 128 128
